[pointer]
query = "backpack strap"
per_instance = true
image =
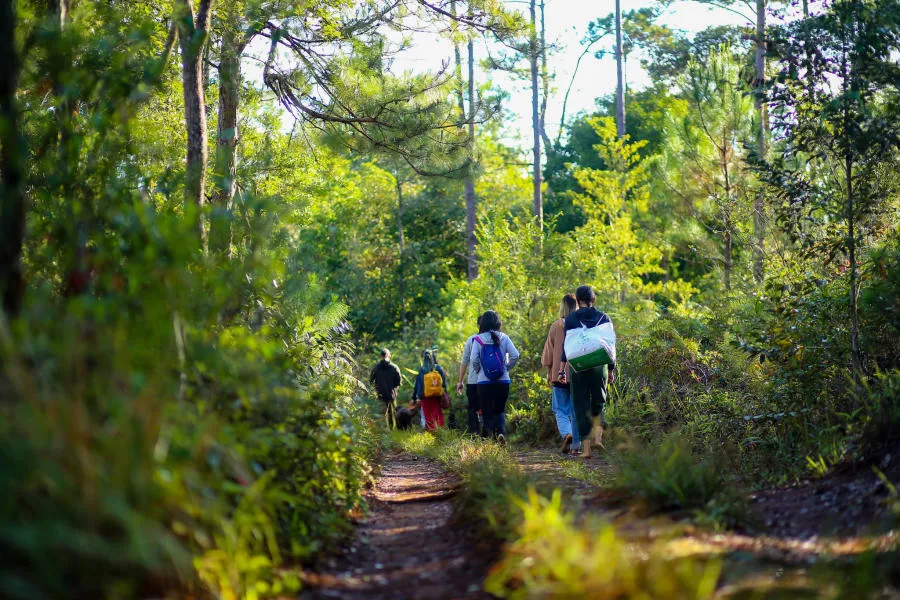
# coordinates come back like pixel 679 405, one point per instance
pixel 478 339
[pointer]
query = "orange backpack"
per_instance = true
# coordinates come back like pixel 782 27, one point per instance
pixel 432 384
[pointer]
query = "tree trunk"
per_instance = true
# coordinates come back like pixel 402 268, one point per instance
pixel 545 82
pixel 855 352
pixel 620 74
pixel 729 266
pixel 192 36
pixel 12 170
pixel 759 204
pixel 457 59
pixel 471 241
pixel 232 47
pixel 469 117
pixel 727 214
pixel 805 9
pixel 533 57
pixel 401 268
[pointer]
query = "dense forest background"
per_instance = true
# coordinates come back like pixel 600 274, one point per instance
pixel 214 214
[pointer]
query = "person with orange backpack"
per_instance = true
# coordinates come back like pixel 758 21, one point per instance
pixel 430 390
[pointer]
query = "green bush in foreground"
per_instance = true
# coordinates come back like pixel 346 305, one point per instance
pixel 669 475
pixel 126 472
pixel 554 558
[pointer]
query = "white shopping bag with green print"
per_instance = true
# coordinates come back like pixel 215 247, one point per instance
pixel 589 347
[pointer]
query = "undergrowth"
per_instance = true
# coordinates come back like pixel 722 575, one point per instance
pixel 669 474
pixel 555 557
pixel 549 553
pixel 490 476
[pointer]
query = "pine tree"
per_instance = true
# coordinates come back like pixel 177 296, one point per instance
pixel 836 99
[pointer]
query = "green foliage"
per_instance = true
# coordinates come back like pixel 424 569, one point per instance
pixel 669 475
pixel 176 421
pixel 554 557
pixel 704 150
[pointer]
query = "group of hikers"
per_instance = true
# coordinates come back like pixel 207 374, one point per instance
pixel 578 388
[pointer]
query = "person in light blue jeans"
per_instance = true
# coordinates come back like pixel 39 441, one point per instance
pixel 561 399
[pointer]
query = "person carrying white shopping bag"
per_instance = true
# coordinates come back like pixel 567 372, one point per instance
pixel 590 349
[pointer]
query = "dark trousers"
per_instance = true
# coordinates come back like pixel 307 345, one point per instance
pixel 493 397
pixel 589 397
pixel 472 409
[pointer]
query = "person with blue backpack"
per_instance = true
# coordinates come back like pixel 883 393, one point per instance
pixel 493 357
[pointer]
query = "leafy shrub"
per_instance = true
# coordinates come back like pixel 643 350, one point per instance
pixel 529 417
pixel 554 558
pixel 195 433
pixel 879 430
pixel 669 475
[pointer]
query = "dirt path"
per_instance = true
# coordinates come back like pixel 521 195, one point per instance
pixel 409 546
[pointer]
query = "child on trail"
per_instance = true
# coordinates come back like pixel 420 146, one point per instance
pixel 386 377
pixel 589 386
pixel 431 385
pixel 493 356
pixel 561 399
pixel 471 385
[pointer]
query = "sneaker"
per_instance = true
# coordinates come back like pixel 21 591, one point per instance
pixel 567 444
pixel 501 440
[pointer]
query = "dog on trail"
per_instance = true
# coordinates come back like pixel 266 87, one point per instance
pixel 405 415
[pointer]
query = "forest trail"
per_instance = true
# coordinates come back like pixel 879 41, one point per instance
pixel 409 545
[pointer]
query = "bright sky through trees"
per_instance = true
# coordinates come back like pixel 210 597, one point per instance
pixel 566 22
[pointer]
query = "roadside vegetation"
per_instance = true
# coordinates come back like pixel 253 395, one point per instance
pixel 200 260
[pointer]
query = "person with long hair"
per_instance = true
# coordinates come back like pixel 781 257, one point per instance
pixel 561 399
pixel 588 386
pixel 430 385
pixel 493 357
pixel 471 384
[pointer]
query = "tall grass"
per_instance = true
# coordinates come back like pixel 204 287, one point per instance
pixel 669 474
pixel 555 557
pixel 550 554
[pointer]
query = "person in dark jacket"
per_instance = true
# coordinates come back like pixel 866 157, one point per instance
pixel 588 386
pixel 386 378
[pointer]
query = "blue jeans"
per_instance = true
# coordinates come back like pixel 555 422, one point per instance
pixel 565 414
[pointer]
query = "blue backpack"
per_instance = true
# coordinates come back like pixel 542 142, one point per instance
pixel 492 362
